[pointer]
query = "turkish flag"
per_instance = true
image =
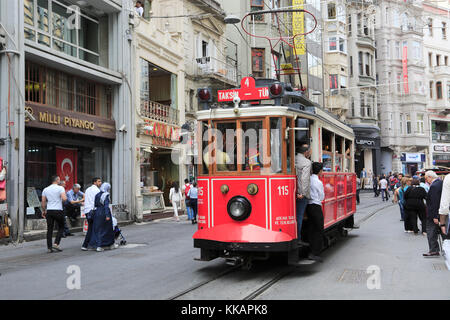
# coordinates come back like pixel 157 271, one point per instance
pixel 66 166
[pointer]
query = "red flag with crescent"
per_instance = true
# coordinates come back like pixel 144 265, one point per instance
pixel 67 166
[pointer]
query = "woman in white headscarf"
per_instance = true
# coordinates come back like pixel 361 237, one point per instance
pixel 102 226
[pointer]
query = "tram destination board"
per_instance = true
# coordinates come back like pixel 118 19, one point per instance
pixel 247 92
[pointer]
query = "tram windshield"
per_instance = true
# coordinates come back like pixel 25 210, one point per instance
pixel 247 146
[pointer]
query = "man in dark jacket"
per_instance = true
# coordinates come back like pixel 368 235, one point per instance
pixel 414 206
pixel 433 202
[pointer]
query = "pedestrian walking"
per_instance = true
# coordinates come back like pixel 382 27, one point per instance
pixel 415 207
pixel 175 197
pixel 315 214
pixel 89 209
pixel 376 186
pixel 383 187
pixel 399 198
pixel 186 188
pixel 363 177
pixel 193 196
pixel 102 225
pixel 433 203
pixel 66 231
pixel 358 189
pixel 303 172
pixel 52 209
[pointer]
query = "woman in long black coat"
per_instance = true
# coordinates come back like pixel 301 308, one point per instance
pixel 414 206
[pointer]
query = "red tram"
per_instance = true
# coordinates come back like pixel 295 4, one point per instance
pixel 247 181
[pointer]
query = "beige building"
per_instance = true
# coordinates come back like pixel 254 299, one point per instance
pixel 159 104
pixel 437 67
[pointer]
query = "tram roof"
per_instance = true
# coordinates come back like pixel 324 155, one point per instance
pixel 309 112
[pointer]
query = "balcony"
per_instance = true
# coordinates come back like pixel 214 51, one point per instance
pixel 441 70
pixel 365 41
pixel 441 137
pixel 159 112
pixel 216 69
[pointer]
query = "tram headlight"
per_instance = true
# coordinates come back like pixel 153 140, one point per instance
pixel 239 208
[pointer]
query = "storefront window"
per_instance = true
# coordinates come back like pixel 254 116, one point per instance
pixel 93 159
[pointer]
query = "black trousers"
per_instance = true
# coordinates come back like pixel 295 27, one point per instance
pixel 357 195
pixel 315 228
pixel 193 204
pixel 87 239
pixel 411 215
pixel 52 217
pixel 432 235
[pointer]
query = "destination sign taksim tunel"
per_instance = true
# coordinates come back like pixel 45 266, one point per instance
pixel 248 91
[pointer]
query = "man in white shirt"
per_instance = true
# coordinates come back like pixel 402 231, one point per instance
pixel 89 207
pixel 445 205
pixel 139 8
pixel 315 214
pixel 52 209
pixel 383 186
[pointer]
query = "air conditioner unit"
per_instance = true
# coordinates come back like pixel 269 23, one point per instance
pixel 334 92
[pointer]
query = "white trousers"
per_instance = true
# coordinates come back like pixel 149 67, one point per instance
pixel 175 207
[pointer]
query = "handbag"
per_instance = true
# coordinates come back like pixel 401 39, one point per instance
pixel 90 214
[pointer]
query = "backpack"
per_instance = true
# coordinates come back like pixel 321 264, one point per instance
pixel 186 190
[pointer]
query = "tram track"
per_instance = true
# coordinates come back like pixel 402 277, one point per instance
pixel 249 296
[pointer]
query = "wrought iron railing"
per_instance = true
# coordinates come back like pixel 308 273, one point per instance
pixel 159 112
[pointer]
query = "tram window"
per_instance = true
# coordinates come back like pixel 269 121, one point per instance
pixel 348 155
pixel 225 147
pixel 327 154
pixel 252 145
pixel 339 154
pixel 276 144
pixel 205 144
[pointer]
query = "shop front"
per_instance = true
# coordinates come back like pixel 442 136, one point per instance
pixel 368 152
pixel 412 162
pixel 159 165
pixel 441 155
pixel 52 147
pixel 69 132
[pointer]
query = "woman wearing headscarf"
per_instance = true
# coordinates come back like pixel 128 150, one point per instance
pixel 414 206
pixel 103 224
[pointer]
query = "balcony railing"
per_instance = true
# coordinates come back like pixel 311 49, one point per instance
pixel 159 112
pixel 442 137
pixel 209 66
pixel 441 70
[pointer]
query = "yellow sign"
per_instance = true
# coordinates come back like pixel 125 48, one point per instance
pixel 288 68
pixel 298 27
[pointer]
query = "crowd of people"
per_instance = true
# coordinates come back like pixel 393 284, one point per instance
pixel 57 204
pixel 422 198
pixel 188 193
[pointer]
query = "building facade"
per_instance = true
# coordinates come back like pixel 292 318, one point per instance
pixel 65 105
pixel 436 58
pixel 403 99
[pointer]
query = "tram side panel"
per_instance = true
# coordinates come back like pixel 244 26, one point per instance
pixel 272 218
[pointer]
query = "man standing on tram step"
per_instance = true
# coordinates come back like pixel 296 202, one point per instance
pixel 315 213
pixel 89 208
pixel 303 171
pixel 52 209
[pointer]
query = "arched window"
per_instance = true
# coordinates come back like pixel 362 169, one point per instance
pixel 396 19
pixel 404 19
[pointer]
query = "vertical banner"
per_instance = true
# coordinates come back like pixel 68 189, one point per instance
pixel 66 166
pixel 298 27
pixel 405 69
